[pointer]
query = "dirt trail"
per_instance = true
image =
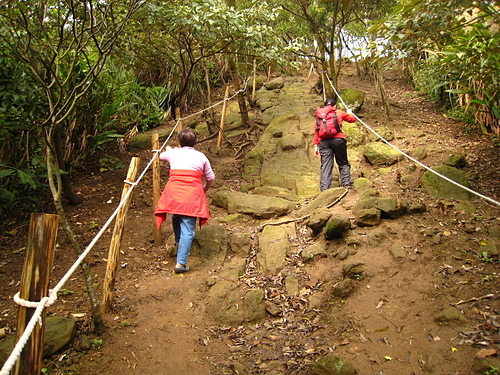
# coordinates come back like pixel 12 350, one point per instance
pixel 386 326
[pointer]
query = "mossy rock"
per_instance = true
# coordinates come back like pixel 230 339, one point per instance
pixel 438 187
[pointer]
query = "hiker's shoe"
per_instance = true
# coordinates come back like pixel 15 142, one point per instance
pixel 181 269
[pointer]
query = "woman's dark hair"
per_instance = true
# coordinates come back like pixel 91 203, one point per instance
pixel 331 101
pixel 187 137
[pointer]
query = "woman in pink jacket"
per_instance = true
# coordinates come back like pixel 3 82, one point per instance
pixel 184 195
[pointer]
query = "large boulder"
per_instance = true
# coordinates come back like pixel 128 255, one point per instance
pixel 353 98
pixel 275 84
pixel 276 191
pixel 355 134
pixel 390 207
pixel 457 160
pixel 142 141
pixel 384 131
pixel 274 245
pixel 324 199
pixel 266 99
pixel 228 305
pixel 268 144
pixel 59 333
pixel 368 217
pixel 210 243
pixel 336 226
pixel 378 154
pixel 440 188
pixel 332 364
pixel 318 220
pixel 291 170
pixel 240 243
pixel 258 206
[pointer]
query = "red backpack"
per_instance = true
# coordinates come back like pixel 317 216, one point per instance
pixel 327 124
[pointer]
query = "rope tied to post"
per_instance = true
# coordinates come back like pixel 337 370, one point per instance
pixel 52 297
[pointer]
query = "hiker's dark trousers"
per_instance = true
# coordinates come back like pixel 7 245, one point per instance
pixel 334 149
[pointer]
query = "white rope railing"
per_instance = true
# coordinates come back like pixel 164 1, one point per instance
pixel 408 156
pixel 47 301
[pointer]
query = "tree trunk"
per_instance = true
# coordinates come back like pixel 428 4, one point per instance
pixel 235 77
pixel 54 178
pixel 212 128
pixel 379 83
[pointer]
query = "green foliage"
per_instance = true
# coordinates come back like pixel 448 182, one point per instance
pixel 109 163
pixel 452 47
pixel 429 79
pixel 492 371
pixel 97 343
pixel 16 184
pixel 130 103
pixel 460 114
pixel 175 42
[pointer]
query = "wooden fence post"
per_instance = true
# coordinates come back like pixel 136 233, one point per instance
pixel 114 247
pixel 156 187
pixel 223 118
pixel 34 286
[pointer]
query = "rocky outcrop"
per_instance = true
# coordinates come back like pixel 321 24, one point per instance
pixel 332 364
pixel 380 154
pixel 59 332
pixel 273 248
pixel 438 187
pixel 259 206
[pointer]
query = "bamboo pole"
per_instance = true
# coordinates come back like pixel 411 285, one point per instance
pixel 114 247
pixel 34 286
pixel 254 81
pixel 223 118
pixel 156 187
pixel 323 84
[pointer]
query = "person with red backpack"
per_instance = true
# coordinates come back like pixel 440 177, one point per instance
pixel 330 143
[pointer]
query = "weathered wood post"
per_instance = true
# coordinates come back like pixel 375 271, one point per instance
pixel 223 118
pixel 156 187
pixel 34 286
pixel 114 247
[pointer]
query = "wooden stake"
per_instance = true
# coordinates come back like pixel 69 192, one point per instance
pixel 114 247
pixel 156 187
pixel 34 286
pixel 223 117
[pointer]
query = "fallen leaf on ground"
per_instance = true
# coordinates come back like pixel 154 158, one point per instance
pixel 354 350
pixel 483 353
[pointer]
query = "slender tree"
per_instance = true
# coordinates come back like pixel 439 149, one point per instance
pixel 64 46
